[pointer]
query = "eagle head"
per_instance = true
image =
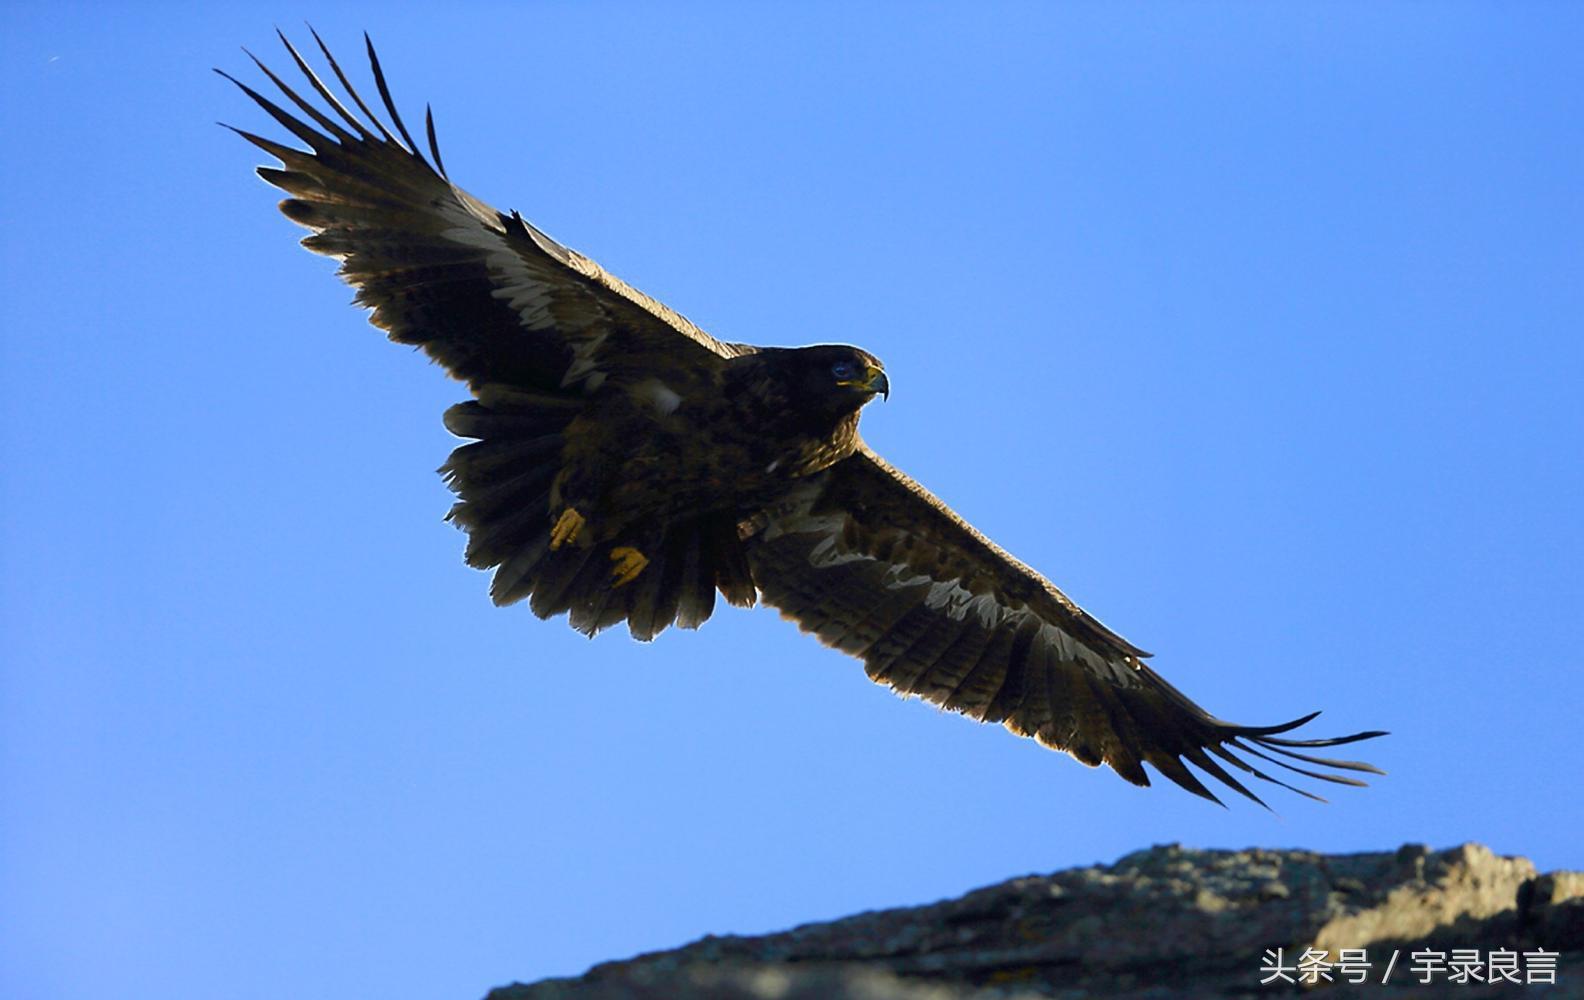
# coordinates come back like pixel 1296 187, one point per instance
pixel 841 377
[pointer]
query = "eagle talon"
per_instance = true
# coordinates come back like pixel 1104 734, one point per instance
pixel 629 563
pixel 567 528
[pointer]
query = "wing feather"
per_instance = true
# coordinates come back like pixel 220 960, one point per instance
pixel 485 293
pixel 872 563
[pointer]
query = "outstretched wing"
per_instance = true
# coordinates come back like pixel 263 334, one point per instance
pixel 531 326
pixel 876 566
pixel 484 293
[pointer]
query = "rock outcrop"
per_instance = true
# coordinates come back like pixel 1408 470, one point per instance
pixel 1163 922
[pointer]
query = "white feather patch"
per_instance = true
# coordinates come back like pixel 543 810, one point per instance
pixel 661 397
pixel 1071 650
pixel 519 288
pixel 958 602
pixel 952 598
pixel 526 293
pixel 583 359
pixel 825 554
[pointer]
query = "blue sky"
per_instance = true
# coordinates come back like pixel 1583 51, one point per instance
pixel 1255 327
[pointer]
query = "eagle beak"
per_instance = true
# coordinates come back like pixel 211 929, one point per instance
pixel 874 382
pixel 878 383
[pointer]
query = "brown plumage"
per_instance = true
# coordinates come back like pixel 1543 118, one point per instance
pixel 624 465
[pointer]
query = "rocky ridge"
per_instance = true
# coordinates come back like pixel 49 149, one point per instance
pixel 1162 922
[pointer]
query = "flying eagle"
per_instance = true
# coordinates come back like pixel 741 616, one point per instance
pixel 624 465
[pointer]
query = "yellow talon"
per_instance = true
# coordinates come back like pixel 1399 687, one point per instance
pixel 566 528
pixel 629 563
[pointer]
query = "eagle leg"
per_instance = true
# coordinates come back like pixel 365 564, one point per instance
pixel 629 563
pixel 567 528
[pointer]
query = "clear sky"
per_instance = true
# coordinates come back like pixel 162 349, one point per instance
pixel 1255 326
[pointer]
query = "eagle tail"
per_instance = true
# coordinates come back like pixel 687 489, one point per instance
pixel 503 480
pixel 691 562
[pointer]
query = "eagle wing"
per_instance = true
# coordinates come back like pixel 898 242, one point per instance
pixel 875 565
pixel 484 293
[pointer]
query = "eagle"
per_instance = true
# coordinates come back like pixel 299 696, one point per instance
pixel 623 465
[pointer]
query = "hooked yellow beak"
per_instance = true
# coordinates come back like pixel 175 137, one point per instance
pixel 878 383
pixel 874 381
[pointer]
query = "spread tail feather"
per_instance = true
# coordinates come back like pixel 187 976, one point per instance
pixel 503 482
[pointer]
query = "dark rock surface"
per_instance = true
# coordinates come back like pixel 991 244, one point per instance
pixel 1163 922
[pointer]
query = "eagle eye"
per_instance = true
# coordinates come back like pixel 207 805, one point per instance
pixel 844 370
